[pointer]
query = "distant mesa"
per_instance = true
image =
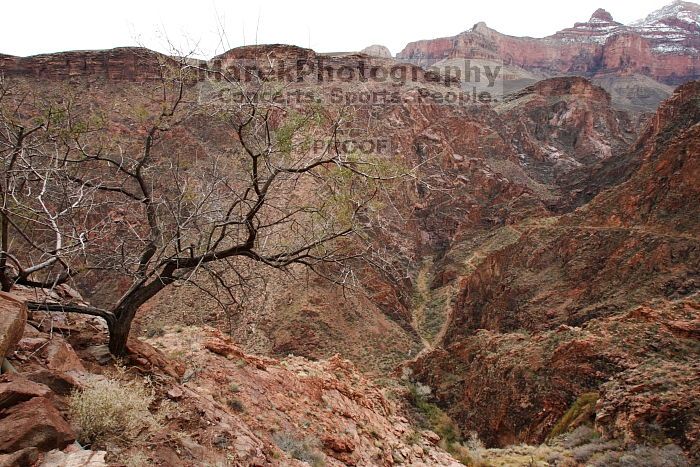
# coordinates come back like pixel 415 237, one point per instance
pixel 480 27
pixel 377 50
pixel 601 15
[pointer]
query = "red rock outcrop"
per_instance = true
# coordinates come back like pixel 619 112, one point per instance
pixel 15 389
pixel 228 405
pixel 598 28
pixel 563 128
pixel 663 194
pixel 35 423
pixel 486 43
pixel 639 236
pixel 673 28
pixel 343 417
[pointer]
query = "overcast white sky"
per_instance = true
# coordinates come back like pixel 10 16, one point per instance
pixel 37 26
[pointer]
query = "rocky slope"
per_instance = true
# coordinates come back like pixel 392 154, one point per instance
pixel 633 376
pixel 207 402
pixel 563 126
pixel 219 406
pixel 603 300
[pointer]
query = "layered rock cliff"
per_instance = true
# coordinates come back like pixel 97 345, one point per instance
pixel 664 46
pixel 121 64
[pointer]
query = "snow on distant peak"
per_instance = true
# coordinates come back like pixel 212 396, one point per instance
pixel 686 12
pixel 673 29
pixel 598 28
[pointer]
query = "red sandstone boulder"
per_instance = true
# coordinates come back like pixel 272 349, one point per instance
pixel 60 383
pixel 146 355
pixel 60 356
pixel 26 456
pixel 15 389
pixel 13 317
pixel 222 347
pixel 35 423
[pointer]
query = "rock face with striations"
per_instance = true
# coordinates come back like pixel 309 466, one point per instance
pixel 665 46
pixel 120 64
pixel 564 125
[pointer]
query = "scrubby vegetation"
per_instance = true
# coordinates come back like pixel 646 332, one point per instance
pixel 303 449
pixel 235 404
pixel 580 411
pixel 431 417
pixel 112 411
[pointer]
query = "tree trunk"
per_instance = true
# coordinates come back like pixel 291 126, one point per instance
pixel 118 337
pixel 5 280
pixel 127 307
pixel 120 328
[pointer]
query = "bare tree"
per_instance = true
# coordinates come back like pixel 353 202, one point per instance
pixel 39 208
pixel 143 205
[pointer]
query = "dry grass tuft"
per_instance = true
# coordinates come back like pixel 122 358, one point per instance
pixel 111 410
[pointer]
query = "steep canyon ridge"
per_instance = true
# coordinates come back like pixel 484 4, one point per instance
pixel 278 257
